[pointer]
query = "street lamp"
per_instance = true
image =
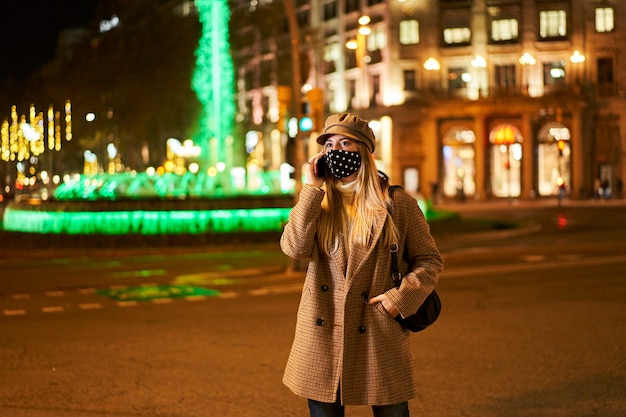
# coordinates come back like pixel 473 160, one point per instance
pixel 432 65
pixel 526 60
pixel 578 58
pixel 480 64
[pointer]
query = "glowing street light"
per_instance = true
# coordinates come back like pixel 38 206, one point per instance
pixel 577 58
pixel 432 64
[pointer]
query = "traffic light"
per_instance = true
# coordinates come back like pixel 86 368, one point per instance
pixel 315 99
pixel 561 145
pixel 284 101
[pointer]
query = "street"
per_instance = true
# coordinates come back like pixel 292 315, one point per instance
pixel 532 325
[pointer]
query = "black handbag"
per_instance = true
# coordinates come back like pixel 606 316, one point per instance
pixel 427 313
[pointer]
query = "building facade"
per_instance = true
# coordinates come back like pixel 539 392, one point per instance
pixel 469 99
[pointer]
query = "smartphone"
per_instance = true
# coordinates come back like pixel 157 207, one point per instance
pixel 321 170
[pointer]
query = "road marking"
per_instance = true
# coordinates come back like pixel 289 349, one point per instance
pixel 14 312
pixel 20 296
pixel 496 269
pixel 533 258
pixel 90 306
pixel 55 293
pixel 53 309
pixel 87 291
pixel 127 303
pixel 230 294
pixel 277 289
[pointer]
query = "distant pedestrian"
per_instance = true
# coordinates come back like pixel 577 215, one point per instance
pixel 597 188
pixel 606 189
pixel 348 349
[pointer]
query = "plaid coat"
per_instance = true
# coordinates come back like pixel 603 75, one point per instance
pixel 341 342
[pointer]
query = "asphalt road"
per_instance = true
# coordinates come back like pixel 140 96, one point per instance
pixel 532 325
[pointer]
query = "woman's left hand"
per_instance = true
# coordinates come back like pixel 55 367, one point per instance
pixel 382 298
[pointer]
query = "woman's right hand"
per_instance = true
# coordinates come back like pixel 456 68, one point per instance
pixel 311 179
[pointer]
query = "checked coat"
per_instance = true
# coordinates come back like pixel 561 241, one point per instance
pixel 341 343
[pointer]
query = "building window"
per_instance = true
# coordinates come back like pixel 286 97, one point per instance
pixel 330 10
pixel 605 70
pixel 303 18
pixel 352 6
pixel 605 20
pixel 456 36
pixel 377 39
pixel 554 73
pixel 505 76
pixel 455 25
pixel 409 32
pixel 504 30
pixel 459 163
pixel 185 8
pixel 409 80
pixel 332 53
pixel 552 24
pixel 457 78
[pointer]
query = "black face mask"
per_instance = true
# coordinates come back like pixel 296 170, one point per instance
pixel 342 164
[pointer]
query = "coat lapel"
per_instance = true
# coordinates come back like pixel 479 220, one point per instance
pixel 339 257
pixel 360 254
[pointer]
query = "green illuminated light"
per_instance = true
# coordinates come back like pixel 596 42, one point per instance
pixel 146 222
pixel 213 81
pixel 152 292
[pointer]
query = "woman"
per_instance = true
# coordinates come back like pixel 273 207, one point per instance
pixel 348 348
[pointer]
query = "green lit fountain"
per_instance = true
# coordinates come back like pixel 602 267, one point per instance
pixel 217 198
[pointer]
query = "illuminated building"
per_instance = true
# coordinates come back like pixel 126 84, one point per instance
pixel 477 99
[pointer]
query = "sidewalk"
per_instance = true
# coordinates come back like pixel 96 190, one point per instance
pixel 504 204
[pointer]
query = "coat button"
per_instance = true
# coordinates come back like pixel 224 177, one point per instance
pixel 324 288
pixel 320 322
pixel 362 329
pixel 365 295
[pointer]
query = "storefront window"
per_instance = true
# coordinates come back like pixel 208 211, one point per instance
pixel 459 164
pixel 506 157
pixel 553 159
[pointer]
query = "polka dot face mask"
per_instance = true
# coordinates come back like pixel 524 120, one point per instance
pixel 342 164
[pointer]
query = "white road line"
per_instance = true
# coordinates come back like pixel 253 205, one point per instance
pixel 90 306
pixel 496 269
pixel 127 303
pixel 231 294
pixel 277 289
pixel 20 296
pixel 14 312
pixel 87 291
pixel 55 293
pixel 53 309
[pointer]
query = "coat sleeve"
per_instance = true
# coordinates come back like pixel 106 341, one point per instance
pixel 421 260
pixel 298 238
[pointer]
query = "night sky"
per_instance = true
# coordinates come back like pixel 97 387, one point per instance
pixel 29 31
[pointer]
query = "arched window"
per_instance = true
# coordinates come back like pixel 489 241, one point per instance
pixel 459 163
pixel 506 157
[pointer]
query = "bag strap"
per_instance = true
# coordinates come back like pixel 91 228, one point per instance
pixel 396 276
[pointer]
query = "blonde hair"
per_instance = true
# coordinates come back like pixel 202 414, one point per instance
pixel 369 200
